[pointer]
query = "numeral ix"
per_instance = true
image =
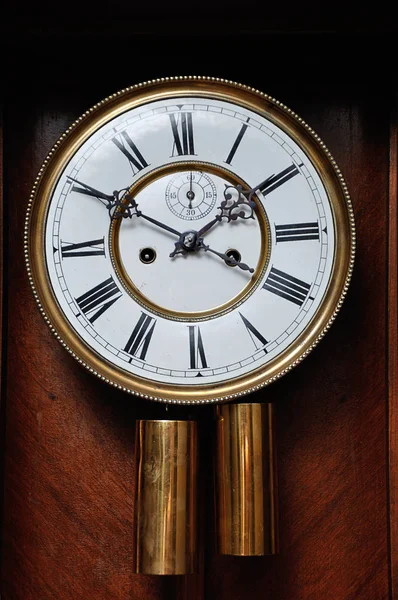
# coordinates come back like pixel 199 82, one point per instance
pixel 90 248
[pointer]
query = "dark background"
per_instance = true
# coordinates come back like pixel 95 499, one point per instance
pixel 68 440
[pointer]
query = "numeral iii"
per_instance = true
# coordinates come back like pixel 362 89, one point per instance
pixel 294 232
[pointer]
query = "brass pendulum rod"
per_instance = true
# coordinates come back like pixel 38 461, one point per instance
pixel 246 480
pixel 165 531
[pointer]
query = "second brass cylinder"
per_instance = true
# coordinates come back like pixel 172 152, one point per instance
pixel 246 480
pixel 165 532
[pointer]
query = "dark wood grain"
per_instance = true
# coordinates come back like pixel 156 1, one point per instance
pixel 2 332
pixel 68 466
pixel 393 349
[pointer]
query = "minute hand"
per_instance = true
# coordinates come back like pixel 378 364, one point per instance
pixel 90 191
pixel 158 223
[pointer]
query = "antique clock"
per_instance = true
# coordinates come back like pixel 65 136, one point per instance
pixel 189 240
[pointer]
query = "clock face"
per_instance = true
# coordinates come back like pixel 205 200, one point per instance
pixel 190 242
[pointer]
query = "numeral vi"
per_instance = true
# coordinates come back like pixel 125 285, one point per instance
pixel 197 354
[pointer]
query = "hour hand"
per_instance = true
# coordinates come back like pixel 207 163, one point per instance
pixel 233 207
pixel 239 203
pixel 229 260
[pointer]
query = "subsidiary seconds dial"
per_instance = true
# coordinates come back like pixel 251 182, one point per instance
pixel 191 195
pixel 189 240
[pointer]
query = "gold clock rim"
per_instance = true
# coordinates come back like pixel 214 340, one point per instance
pixel 251 99
pixel 200 315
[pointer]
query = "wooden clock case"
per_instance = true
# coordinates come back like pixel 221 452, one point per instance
pixel 68 440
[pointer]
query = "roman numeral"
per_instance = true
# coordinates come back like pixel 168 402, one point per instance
pixel 196 348
pixel 286 286
pixel 236 143
pixel 90 248
pixel 293 232
pixel 182 129
pixel 130 151
pixel 254 333
pixel 100 297
pixel 139 340
pixel 277 180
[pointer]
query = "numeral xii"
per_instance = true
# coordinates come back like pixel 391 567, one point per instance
pixel 182 128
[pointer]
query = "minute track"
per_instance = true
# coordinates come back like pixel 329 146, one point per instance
pixel 231 367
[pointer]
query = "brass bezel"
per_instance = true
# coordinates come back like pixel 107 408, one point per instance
pixel 211 313
pixel 176 87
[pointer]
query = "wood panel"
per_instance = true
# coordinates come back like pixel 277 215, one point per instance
pixel 393 348
pixel 69 441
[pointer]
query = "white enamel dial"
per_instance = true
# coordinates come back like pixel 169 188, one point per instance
pixel 138 282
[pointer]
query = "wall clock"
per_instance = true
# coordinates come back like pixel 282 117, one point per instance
pixel 189 240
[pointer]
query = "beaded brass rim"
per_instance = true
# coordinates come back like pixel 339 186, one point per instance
pixel 175 87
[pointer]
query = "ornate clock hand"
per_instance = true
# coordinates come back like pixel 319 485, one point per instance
pixel 158 223
pixel 228 206
pixel 250 193
pixel 129 209
pixel 209 225
pixel 113 201
pixel 229 260
pixel 191 242
pixel 90 191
